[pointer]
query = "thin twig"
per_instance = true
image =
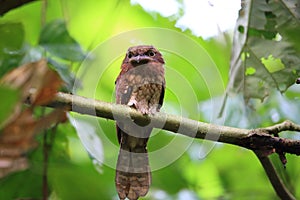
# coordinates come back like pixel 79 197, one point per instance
pixel 284 126
pixel 7 5
pixel 44 12
pixel 45 165
pixel 275 180
pixel 48 140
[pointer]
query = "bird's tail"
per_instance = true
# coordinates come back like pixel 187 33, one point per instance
pixel 133 175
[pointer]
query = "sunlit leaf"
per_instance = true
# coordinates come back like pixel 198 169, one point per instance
pixel 89 138
pixel 207 185
pixel 272 64
pixel 56 39
pixel 11 43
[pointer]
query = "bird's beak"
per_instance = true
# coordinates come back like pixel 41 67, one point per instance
pixel 139 60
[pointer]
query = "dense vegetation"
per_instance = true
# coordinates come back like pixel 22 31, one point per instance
pixel 85 41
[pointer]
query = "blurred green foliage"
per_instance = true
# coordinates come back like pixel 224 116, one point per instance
pixel 11 43
pixel 10 98
pixel 88 40
pixel 266 35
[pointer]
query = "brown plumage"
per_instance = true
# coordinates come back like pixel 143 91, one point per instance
pixel 140 85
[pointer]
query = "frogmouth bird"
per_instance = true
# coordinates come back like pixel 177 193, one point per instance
pixel 140 85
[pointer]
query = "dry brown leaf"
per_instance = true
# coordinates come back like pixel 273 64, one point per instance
pixel 51 83
pixel 17 138
pixel 38 86
pixel 10 165
pixel 38 83
pixel 20 133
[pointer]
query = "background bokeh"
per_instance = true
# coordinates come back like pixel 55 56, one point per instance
pixel 93 39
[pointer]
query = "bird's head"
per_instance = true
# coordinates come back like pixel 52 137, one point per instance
pixel 142 54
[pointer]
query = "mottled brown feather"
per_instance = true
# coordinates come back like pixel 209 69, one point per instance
pixel 141 85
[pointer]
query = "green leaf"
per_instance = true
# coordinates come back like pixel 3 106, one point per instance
pixel 165 179
pixel 288 20
pixel 64 72
pixel 250 71
pixel 201 182
pixel 73 181
pixel 33 54
pixel 266 25
pixel 56 39
pixel 11 43
pixel 30 180
pixel 272 64
pixel 69 163
pixel 9 98
pixel 89 138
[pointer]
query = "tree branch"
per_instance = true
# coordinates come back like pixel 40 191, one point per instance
pixel 7 5
pixel 260 140
pixel 255 139
pixel 284 126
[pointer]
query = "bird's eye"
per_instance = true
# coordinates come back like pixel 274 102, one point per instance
pixel 150 53
pixel 130 55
